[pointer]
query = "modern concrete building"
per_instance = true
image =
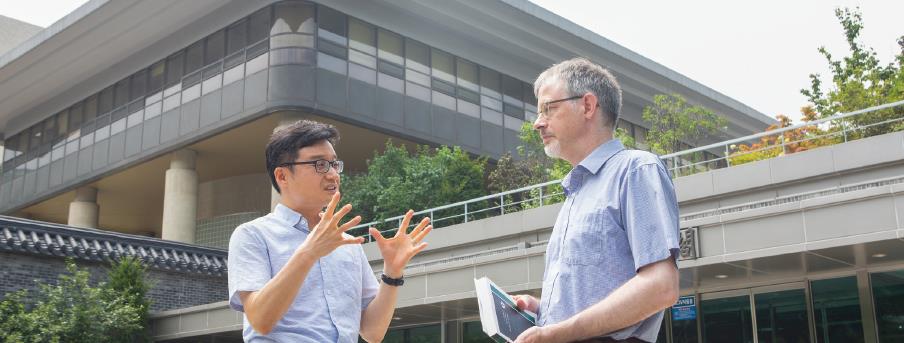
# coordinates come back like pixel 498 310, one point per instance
pixel 150 117
pixel 174 100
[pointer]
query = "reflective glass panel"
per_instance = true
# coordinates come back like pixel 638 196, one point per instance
pixel 727 320
pixel 836 310
pixel 888 293
pixel 781 317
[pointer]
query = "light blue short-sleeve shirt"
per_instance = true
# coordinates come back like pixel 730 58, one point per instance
pixel 620 214
pixel 328 306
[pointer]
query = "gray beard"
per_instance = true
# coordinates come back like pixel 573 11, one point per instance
pixel 553 150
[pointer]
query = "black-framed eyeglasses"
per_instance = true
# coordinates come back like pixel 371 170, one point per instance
pixel 321 166
pixel 544 107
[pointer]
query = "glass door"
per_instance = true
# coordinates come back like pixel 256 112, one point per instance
pixel 773 314
pixel 781 314
pixel 726 317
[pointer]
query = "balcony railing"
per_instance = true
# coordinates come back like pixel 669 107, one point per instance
pixel 837 129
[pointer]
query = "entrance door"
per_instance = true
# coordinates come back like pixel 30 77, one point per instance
pixel 773 314
pixel 726 317
pixel 781 314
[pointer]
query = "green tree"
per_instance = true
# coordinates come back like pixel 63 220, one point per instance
pixel 859 80
pixel 397 180
pixel 674 121
pixel 71 311
pixel 127 279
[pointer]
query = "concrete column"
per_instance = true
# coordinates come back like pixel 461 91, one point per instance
pixel 83 211
pixel 180 198
pixel 285 119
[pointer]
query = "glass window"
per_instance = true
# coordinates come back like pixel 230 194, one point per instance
pixel 88 107
pixel 429 333
pixel 530 100
pixel 155 79
pixel 139 84
pixel 293 17
pixel 194 57
pixel 362 36
pixel 836 310
pixel 443 65
pixel 663 329
pixel 50 131
pixel 102 128
pixel 727 320
pixel 467 74
pixel 105 100
pixel 390 47
pixel 62 119
pixel 511 89
pixel 472 332
pixel 333 25
pixel 121 93
pixel 489 82
pixel 34 140
pixel 236 36
pixel 417 56
pixel 174 69
pixel 214 48
pixel 258 25
pixel 75 122
pixel 395 336
pixel 782 317
pixel 11 148
pixel 684 331
pixel 888 295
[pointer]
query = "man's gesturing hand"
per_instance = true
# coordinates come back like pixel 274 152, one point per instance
pixel 399 249
pixel 328 235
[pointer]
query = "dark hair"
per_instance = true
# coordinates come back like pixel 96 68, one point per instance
pixel 286 141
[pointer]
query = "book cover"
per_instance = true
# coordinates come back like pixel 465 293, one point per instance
pixel 500 317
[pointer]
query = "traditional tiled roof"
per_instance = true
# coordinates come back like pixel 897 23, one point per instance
pixel 49 239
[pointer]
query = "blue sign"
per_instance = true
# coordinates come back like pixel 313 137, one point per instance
pixel 685 308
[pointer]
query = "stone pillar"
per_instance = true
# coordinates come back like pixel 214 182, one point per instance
pixel 180 198
pixel 285 119
pixel 83 211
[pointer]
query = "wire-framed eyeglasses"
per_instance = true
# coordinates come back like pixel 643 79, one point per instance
pixel 544 107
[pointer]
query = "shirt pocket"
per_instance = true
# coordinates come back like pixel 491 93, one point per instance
pixel 585 242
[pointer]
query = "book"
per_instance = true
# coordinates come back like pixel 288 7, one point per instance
pixel 500 317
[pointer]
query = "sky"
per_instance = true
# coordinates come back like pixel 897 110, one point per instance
pixel 757 52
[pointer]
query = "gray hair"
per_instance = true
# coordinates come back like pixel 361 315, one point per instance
pixel 581 76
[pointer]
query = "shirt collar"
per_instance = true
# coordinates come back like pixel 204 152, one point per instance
pixel 590 165
pixel 291 217
pixel 598 157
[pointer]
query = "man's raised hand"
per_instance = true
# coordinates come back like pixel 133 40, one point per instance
pixel 328 235
pixel 399 249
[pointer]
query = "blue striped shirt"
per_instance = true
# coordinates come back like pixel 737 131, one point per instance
pixel 620 214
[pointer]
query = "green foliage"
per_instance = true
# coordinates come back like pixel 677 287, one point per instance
pixel 673 121
pixel 127 280
pixel 397 180
pixel 531 167
pixel 73 311
pixel 859 81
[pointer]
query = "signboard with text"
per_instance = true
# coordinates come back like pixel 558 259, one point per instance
pixel 685 308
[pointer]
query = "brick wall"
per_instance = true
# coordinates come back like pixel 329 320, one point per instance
pixel 170 289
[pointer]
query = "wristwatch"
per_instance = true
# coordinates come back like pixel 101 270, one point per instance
pixel 392 282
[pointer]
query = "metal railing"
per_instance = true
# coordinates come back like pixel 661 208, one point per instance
pixel 515 200
pixel 685 162
pixel 551 192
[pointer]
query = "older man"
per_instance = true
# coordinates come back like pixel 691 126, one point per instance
pixel 610 262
